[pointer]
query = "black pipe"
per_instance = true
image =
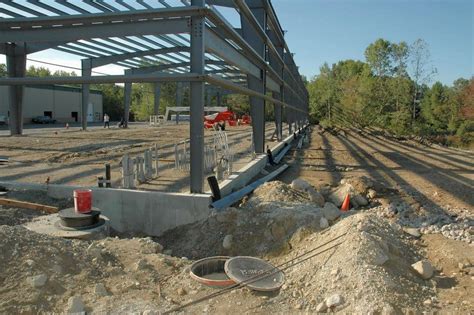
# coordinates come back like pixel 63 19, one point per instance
pixel 107 176
pixel 214 185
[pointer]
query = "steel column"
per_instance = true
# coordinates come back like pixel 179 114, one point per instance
pixel 128 102
pixel 16 67
pixel 179 98
pixel 196 128
pixel 219 98
pixel 257 104
pixel 279 68
pixel 157 90
pixel 86 70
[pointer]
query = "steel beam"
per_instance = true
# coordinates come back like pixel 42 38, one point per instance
pixel 229 85
pixel 16 67
pixel 153 77
pixel 179 98
pixel 117 18
pixel 277 108
pixel 86 69
pixel 73 33
pixel 128 101
pixel 257 104
pixel 157 92
pixel 196 128
pixel 102 61
pixel 221 48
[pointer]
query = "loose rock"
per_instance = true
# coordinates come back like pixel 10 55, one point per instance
pixel 330 211
pixel 38 281
pixel 227 242
pixel 412 231
pixel 323 223
pixel 334 300
pixel 75 305
pixel 316 197
pixel 300 184
pixel 321 307
pixel 424 269
pixel 100 290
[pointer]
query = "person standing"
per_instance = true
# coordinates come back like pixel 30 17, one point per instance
pixel 106 121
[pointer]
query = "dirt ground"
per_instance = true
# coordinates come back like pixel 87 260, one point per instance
pixel 434 176
pixel 75 157
pixel 414 186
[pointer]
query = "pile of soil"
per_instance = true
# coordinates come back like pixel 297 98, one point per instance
pixel 370 270
pixel 43 274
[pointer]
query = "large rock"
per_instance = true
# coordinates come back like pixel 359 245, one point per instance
pixel 316 197
pixel 38 281
pixel 300 184
pixel 356 193
pixel 330 211
pixel 358 201
pixel 424 269
pixel 337 197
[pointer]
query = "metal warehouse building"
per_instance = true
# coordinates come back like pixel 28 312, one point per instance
pixel 63 103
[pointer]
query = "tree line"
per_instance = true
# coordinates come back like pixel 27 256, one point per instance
pixel 391 90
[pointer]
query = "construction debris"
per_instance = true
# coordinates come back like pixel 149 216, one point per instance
pixel 27 205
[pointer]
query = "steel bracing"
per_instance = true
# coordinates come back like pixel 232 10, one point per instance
pixel 187 41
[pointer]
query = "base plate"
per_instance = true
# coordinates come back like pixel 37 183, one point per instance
pixel 72 219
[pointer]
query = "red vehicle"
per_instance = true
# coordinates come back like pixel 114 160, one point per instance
pixel 228 116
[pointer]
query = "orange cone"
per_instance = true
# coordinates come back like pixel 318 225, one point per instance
pixel 346 203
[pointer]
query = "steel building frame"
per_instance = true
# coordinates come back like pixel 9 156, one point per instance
pixel 158 42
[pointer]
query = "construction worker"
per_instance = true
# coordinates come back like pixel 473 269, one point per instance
pixel 106 120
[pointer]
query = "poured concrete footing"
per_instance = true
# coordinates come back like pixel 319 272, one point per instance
pixel 49 225
pixel 134 211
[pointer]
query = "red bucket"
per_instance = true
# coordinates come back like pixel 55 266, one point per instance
pixel 83 200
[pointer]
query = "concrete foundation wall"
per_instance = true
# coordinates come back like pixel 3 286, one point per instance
pixel 243 176
pixel 61 101
pixel 135 211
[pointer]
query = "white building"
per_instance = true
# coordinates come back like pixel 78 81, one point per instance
pixel 62 103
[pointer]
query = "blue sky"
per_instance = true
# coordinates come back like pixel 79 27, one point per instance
pixel 331 30
pixel 321 31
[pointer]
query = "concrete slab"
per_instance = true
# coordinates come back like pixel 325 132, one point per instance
pixel 48 224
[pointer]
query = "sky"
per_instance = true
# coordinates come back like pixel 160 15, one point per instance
pixel 319 31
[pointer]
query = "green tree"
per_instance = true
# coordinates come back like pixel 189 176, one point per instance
pixel 3 70
pixel 378 56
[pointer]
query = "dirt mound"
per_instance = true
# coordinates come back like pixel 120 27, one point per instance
pixel 262 230
pixel 277 191
pixel 370 270
pixel 40 274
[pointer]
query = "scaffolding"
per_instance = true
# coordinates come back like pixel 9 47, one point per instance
pixel 187 41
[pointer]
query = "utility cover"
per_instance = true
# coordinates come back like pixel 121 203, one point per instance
pixel 255 273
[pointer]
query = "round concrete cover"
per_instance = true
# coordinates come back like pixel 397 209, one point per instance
pixel 251 272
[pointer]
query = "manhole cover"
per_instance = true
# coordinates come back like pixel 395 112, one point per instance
pixel 255 273
pixel 210 271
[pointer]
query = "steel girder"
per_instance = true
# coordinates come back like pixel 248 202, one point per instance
pixel 134 33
